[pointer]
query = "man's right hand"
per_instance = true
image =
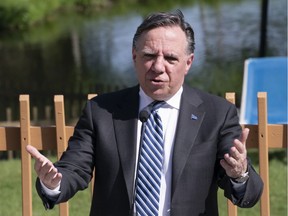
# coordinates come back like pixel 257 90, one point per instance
pixel 45 169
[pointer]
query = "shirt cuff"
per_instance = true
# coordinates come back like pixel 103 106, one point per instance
pixel 51 193
pixel 237 185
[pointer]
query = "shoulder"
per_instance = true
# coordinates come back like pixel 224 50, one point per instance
pixel 119 104
pixel 205 98
pixel 115 98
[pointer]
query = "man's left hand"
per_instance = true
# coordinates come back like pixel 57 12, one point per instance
pixel 235 163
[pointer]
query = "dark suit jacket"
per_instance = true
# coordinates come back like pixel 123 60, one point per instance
pixel 105 138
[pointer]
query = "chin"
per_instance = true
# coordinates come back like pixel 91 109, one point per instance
pixel 158 93
pixel 160 96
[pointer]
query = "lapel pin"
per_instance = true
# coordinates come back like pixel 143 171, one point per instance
pixel 194 117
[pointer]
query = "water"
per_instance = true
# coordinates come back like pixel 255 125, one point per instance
pixel 75 56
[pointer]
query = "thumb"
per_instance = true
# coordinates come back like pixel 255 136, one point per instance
pixel 244 135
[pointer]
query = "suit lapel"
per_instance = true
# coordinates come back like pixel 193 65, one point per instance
pixel 189 121
pixel 125 125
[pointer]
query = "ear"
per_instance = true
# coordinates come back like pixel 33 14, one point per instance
pixel 189 62
pixel 134 55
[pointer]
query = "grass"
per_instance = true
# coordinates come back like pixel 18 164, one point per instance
pixel 11 204
pixel 11 195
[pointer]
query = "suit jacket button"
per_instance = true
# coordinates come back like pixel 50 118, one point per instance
pixel 246 203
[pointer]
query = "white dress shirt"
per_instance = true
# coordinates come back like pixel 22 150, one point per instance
pixel 169 115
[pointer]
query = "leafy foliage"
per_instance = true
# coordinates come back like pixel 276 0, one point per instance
pixel 20 14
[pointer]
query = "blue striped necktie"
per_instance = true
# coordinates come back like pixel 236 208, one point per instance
pixel 150 165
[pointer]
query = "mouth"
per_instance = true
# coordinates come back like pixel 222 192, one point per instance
pixel 156 81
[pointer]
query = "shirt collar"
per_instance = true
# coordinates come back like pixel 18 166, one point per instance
pixel 173 102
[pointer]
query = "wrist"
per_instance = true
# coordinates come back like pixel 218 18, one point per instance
pixel 50 192
pixel 241 179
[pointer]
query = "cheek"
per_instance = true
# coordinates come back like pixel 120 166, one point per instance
pixel 142 65
pixel 176 78
pixel 146 65
pixel 143 69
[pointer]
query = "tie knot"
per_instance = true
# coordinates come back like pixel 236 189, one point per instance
pixel 156 105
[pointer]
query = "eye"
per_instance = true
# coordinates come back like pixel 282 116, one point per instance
pixel 171 59
pixel 149 56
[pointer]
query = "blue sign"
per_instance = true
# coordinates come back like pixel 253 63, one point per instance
pixel 265 75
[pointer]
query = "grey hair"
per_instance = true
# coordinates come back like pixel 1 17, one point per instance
pixel 162 19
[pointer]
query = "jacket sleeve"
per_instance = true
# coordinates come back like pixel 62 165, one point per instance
pixel 47 201
pixel 76 163
pixel 254 184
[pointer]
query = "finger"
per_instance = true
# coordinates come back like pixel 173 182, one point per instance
pixel 225 165
pixel 228 169
pixel 40 159
pixel 52 179
pixel 57 179
pixel 40 163
pixel 230 160
pixel 34 152
pixel 240 143
pixel 235 153
pixel 233 171
pixel 49 177
pixel 241 148
pixel 45 169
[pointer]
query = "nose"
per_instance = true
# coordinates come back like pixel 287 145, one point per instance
pixel 158 64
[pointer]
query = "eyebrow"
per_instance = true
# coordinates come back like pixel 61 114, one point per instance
pixel 171 55
pixel 148 51
pixel 151 52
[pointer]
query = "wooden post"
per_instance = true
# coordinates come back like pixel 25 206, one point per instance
pixel 9 121
pixel 35 114
pixel 48 113
pixel 263 152
pixel 25 157
pixel 232 209
pixel 61 140
pixel 230 96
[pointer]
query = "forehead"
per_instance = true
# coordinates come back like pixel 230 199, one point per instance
pixel 163 37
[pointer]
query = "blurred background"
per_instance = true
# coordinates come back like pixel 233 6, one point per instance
pixel 78 47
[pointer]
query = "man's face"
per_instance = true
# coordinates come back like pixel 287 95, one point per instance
pixel 161 61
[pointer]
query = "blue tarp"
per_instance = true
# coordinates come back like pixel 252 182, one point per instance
pixel 265 75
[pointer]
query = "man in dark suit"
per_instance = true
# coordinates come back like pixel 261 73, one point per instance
pixel 204 145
